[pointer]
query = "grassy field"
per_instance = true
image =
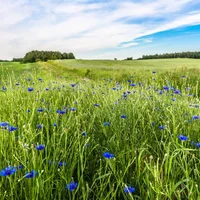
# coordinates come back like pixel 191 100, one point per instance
pixel 100 130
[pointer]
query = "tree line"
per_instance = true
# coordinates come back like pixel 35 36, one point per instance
pixel 35 56
pixel 194 54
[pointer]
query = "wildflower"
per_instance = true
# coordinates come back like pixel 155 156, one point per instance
pixel 61 112
pixel 165 87
pixel 108 155
pixel 3 124
pixel 30 89
pixel 28 111
pixel 4 88
pixel 153 72
pixel 40 147
pixel 84 133
pixel 39 126
pixel 173 99
pixel 40 109
pixel 31 174
pixel 12 128
pixel 96 104
pixel 123 116
pixel 183 138
pixel 73 85
pixel 133 84
pixel 54 124
pixel 8 171
pixel 61 164
pixel 198 144
pixel 177 92
pixel 106 123
pixel 195 117
pixel 129 189
pixel 162 127
pixel 72 186
pixel 73 109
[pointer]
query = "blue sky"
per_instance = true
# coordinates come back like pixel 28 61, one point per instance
pixel 99 29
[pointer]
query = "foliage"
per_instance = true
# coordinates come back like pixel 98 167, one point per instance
pixel 195 55
pixel 130 136
pixel 35 56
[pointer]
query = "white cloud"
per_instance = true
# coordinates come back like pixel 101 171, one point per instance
pixel 85 28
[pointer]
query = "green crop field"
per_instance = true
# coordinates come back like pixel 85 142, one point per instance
pixel 100 130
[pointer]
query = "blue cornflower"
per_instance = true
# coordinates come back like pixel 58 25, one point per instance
pixel 40 109
pixel 153 72
pixel 61 112
pixel 84 133
pixel 62 164
pixel 73 85
pixel 96 104
pixel 73 109
pixel 4 88
pixel 28 111
pixel 39 126
pixel 12 128
pixel 40 147
pixel 72 186
pixel 183 138
pixel 165 87
pixel 4 124
pixel 173 99
pixel 195 117
pixel 123 116
pixel 40 79
pixel 133 84
pixel 54 124
pixel 108 155
pixel 31 174
pixel 182 76
pixel 8 171
pixel 30 89
pixel 162 127
pixel 129 189
pixel 177 92
pixel 198 144
pixel 106 123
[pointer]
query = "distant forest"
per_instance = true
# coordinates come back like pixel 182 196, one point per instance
pixel 195 54
pixel 35 56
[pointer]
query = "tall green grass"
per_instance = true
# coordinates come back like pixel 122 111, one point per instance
pixel 153 161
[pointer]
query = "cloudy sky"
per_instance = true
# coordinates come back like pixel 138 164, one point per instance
pixel 99 29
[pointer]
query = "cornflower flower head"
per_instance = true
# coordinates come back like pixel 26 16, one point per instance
pixel 177 92
pixel 73 109
pixel 4 124
pixel 123 116
pixel 39 126
pixel 129 189
pixel 40 147
pixel 72 186
pixel 61 112
pixel 165 88
pixel 8 171
pixel 106 123
pixel 108 155
pixel 161 127
pixel 31 174
pixel 40 109
pixel 183 138
pixel 62 164
pixel 30 89
pixel 133 84
pixel 12 128
pixel 96 104
pixel 195 117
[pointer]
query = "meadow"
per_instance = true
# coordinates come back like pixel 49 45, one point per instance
pixel 100 130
